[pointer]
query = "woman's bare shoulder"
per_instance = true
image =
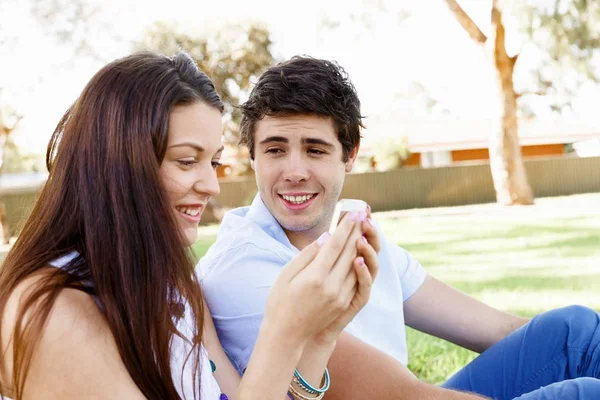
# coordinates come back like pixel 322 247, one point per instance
pixel 76 356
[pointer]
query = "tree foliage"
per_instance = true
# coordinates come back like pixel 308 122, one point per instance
pixel 233 57
pixel 565 35
pixel 82 26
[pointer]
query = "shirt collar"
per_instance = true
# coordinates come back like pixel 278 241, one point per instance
pixel 260 215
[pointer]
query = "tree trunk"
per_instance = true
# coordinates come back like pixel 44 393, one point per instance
pixel 508 171
pixel 4 132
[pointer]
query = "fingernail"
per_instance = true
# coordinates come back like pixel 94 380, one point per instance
pixel 365 239
pixel 323 238
pixel 353 216
pixel 361 261
pixel 362 216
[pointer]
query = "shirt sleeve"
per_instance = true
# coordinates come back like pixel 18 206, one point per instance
pixel 411 272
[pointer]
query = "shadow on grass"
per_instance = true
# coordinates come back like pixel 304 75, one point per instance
pixel 434 360
pixel 575 243
pixel 529 283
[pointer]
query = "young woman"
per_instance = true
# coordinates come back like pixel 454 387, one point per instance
pixel 98 297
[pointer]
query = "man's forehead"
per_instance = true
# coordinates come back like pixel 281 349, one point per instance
pixel 296 127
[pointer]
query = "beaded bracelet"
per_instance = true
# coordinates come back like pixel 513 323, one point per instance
pixel 307 386
pixel 307 390
pixel 295 394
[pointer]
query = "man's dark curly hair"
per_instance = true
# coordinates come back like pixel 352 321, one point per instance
pixel 305 85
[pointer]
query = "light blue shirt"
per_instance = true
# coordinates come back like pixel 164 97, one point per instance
pixel 241 266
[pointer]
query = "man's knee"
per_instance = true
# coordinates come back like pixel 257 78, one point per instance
pixel 572 326
pixel 581 388
pixel 572 389
pixel 571 316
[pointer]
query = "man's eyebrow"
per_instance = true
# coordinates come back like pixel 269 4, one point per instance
pixel 317 141
pixel 279 139
pixel 305 141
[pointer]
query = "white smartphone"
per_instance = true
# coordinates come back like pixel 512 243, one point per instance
pixel 343 206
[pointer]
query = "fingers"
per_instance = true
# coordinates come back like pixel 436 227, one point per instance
pixel 357 287
pixel 357 297
pixel 343 265
pixel 304 258
pixel 365 282
pixel 331 250
pixel 371 234
pixel 370 256
pixel 348 289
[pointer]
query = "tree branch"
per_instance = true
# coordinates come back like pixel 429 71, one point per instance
pixel 499 36
pixel 528 93
pixel 466 22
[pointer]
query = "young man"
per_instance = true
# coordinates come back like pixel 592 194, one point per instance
pixel 302 127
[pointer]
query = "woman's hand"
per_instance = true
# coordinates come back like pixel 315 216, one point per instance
pixel 319 285
pixel 314 297
pixel 360 279
pixel 363 275
pixel 370 232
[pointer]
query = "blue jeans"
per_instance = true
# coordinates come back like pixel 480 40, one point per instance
pixel 555 356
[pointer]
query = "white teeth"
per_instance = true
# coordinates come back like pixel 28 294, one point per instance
pixel 189 211
pixel 298 199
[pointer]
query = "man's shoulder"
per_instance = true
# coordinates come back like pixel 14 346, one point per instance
pixel 239 269
pixel 243 235
pixel 390 249
pixel 239 243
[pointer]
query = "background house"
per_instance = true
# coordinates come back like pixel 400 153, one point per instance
pixel 443 142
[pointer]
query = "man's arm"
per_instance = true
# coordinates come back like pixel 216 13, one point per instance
pixel 442 311
pixel 360 371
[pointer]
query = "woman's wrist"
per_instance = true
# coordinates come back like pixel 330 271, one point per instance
pixel 315 357
pixel 276 353
pixel 288 336
pixel 323 340
pixel 318 344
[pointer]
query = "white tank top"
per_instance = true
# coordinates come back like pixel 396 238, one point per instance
pixel 209 388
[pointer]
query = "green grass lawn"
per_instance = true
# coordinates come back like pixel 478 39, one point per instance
pixel 524 260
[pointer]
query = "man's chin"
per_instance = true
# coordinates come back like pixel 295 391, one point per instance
pixel 296 228
pixel 291 225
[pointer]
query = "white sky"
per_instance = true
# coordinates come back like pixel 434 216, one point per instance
pixel 429 47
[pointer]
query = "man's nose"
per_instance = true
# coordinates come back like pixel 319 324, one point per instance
pixel 296 169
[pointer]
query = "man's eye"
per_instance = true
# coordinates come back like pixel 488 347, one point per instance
pixel 274 151
pixel 316 151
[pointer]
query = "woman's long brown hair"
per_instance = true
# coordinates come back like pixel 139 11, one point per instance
pixel 104 200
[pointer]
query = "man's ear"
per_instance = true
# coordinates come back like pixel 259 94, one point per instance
pixel 351 158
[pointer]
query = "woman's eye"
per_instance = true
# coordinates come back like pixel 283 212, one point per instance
pixel 186 163
pixel 216 164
